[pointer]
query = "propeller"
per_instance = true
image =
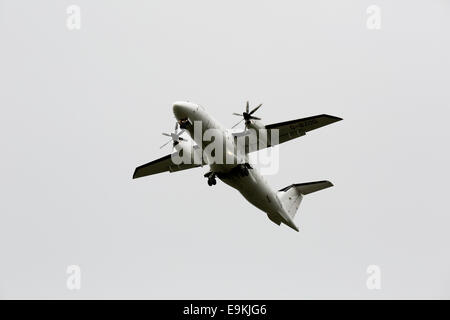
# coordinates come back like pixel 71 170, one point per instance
pixel 174 137
pixel 247 115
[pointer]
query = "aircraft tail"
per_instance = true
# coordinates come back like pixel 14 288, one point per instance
pixel 292 195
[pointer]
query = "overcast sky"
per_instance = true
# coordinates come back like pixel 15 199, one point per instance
pixel 82 108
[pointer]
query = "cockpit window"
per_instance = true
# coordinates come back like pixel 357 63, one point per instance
pixel 183 123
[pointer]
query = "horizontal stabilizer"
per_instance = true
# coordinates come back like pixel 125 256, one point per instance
pixel 309 187
pixel 291 196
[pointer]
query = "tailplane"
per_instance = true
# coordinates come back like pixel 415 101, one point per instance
pixel 291 196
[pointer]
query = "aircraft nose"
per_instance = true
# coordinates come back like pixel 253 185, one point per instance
pixel 182 109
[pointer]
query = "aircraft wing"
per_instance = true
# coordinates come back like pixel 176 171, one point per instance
pixel 295 128
pixel 289 130
pixel 161 165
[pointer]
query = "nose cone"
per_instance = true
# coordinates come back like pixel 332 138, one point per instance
pixel 182 109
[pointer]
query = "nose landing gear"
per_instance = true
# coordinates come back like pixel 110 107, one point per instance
pixel 211 178
pixel 212 182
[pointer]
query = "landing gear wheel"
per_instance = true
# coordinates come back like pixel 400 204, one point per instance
pixel 212 181
pixel 244 171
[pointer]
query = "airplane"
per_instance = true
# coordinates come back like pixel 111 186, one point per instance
pixel 281 205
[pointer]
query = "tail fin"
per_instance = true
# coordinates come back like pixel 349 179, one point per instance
pixel 292 195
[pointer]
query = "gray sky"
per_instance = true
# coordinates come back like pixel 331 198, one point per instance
pixel 81 109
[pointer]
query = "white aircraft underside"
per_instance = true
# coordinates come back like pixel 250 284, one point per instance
pixel 279 205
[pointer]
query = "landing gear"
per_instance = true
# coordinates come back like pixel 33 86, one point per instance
pixel 244 169
pixel 211 178
pixel 212 182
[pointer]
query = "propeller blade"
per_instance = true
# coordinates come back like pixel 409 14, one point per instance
pixel 237 124
pixel 254 110
pixel 174 136
pixel 247 115
pixel 165 144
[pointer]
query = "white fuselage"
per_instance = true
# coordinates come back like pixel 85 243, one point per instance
pixel 253 187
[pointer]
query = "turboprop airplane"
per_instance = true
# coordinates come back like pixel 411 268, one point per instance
pixel 230 161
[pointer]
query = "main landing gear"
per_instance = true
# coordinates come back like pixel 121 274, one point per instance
pixel 243 169
pixel 211 178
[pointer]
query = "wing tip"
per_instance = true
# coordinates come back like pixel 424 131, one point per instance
pixel 334 118
pixel 331 119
